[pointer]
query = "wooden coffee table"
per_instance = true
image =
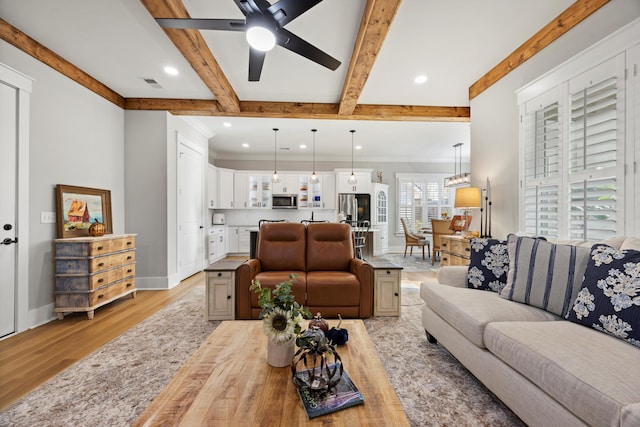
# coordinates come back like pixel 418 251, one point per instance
pixel 228 382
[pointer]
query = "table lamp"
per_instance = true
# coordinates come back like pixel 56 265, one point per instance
pixel 467 198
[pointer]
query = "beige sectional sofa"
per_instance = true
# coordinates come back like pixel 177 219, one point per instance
pixel 549 371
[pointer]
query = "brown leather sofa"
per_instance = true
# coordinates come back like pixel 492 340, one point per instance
pixel 331 280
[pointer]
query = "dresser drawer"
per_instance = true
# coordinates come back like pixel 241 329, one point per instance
pixel 123 244
pixel 68 283
pixel 86 300
pixel 93 265
pixel 83 249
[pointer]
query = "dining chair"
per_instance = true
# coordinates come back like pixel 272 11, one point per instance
pixel 360 235
pixel 411 239
pixel 439 227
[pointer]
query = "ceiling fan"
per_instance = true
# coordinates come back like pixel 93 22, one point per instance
pixel 263 28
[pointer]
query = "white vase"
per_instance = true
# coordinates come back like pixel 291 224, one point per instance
pixel 280 353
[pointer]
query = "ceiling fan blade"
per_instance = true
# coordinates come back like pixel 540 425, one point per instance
pixel 285 11
pixel 256 61
pixel 202 24
pixel 290 41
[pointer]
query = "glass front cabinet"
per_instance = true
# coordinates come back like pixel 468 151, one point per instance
pixel 380 219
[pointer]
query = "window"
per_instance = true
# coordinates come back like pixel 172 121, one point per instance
pixel 542 164
pixel 421 197
pixel 573 156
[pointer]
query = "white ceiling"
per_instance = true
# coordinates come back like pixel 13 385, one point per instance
pixel 453 42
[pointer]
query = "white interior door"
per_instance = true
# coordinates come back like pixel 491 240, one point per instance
pixel 8 248
pixel 190 208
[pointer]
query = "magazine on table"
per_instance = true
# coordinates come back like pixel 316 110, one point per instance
pixel 344 395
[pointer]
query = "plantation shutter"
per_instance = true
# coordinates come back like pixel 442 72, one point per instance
pixel 596 143
pixel 420 198
pixel 542 165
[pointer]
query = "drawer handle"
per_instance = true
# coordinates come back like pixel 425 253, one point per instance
pixel 101 264
pixel 100 280
pixel 129 257
pixel 467 249
pixel 219 274
pixel 100 296
pixel 100 248
pixel 388 272
pixel 129 270
pixel 128 285
pixel 129 243
pixel 228 296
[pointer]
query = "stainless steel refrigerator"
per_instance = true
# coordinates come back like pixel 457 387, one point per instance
pixel 354 207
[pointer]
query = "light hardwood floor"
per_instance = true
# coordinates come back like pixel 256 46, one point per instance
pixel 32 357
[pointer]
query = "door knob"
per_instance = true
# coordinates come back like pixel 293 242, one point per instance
pixel 8 241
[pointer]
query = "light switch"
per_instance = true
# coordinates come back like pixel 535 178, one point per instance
pixel 47 217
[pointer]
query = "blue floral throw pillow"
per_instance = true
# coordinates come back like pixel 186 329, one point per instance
pixel 609 300
pixel 489 264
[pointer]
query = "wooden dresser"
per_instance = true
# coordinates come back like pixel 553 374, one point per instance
pixel 93 271
pixel 454 250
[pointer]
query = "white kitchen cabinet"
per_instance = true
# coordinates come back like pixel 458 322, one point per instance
pixel 240 193
pixel 225 189
pixel 317 196
pixel 212 186
pixel 232 239
pixel 329 197
pixel 238 239
pixel 379 217
pixel 251 191
pixel 363 186
pixel 217 244
pixel 288 184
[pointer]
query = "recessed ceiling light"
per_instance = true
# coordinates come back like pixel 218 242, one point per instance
pixel 358 147
pixel 302 146
pixel 245 145
pixel 171 71
pixel 226 124
pixel 420 79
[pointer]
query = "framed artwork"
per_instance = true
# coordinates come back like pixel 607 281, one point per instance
pixel 460 222
pixel 78 207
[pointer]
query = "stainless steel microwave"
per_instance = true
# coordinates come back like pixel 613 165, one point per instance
pixel 284 201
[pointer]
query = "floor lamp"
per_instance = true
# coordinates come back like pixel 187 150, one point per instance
pixel 467 198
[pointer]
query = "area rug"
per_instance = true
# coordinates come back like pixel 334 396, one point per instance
pixel 115 384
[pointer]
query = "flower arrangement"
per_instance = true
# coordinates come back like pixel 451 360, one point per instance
pixel 282 316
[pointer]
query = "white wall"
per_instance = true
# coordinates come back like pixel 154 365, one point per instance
pixel 494 113
pixel 151 195
pixel 76 138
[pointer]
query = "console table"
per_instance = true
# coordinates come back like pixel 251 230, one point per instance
pixel 454 250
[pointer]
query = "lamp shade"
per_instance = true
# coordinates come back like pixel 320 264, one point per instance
pixel 467 197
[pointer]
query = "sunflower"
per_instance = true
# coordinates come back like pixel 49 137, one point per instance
pixel 279 325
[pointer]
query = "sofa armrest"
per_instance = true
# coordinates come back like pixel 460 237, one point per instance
pixel 364 272
pixel 453 275
pixel 246 273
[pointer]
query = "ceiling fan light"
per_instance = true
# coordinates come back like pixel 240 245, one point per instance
pixel 260 38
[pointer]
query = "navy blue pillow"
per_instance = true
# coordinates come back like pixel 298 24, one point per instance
pixel 609 300
pixel 489 264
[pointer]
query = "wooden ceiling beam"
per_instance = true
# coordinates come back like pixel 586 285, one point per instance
pixel 193 47
pixel 564 22
pixel 301 110
pixel 374 26
pixel 20 40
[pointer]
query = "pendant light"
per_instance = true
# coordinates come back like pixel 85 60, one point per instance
pixel 314 176
pixel 275 178
pixel 352 179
